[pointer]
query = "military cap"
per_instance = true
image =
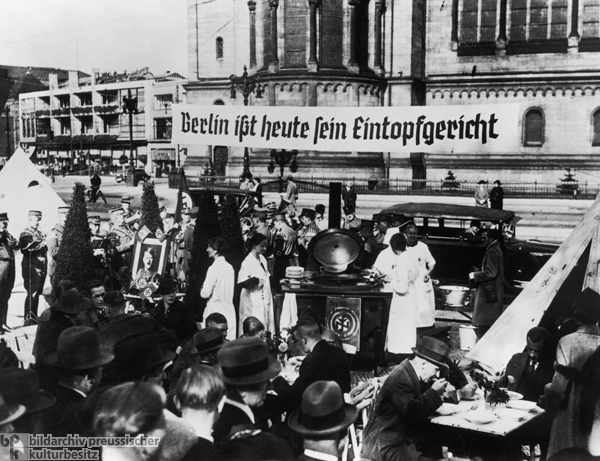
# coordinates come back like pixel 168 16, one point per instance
pixel 35 213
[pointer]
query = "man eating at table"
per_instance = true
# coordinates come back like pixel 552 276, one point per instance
pixel 411 393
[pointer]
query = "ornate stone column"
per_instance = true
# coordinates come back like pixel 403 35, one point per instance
pixel 573 46
pixel 501 40
pixel 252 9
pixel 274 64
pixel 313 64
pixel 379 10
pixel 352 61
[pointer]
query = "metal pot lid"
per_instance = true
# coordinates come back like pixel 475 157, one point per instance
pixel 335 249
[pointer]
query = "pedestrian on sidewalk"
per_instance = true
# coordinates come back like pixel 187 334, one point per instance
pixel 497 195
pixel 481 195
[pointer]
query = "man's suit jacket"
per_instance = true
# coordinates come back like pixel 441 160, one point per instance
pixel 397 423
pixel 180 320
pixel 531 386
pixel 60 419
pixel 325 362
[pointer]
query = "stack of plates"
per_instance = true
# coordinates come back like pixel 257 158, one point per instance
pixel 294 272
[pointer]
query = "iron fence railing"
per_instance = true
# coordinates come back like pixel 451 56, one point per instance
pixel 380 186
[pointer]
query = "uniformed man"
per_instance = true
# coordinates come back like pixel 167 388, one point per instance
pixel 33 268
pixel 8 244
pixel 186 241
pixel 167 220
pixel 351 222
pixel 130 217
pixel 54 239
pixel 121 236
pixel 305 234
pixel 98 240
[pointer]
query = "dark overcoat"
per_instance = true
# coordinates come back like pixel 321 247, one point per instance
pixel 492 272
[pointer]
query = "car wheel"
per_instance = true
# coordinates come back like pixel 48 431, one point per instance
pixel 519 265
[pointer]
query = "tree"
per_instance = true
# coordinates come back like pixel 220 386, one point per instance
pixel 207 227
pixel 231 231
pixel 75 254
pixel 150 213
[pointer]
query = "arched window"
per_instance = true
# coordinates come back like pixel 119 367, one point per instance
pixel 596 128
pixel 219 45
pixel 533 128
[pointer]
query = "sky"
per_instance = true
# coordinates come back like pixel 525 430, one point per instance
pixel 108 35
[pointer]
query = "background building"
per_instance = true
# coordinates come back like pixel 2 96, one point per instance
pixel 82 121
pixel 542 54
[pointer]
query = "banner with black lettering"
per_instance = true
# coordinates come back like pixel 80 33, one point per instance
pixel 476 128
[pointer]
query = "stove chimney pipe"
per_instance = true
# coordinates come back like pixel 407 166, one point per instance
pixel 335 205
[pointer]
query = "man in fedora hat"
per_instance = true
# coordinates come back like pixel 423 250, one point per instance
pixel 78 361
pixel 322 420
pixel 139 357
pixel 246 367
pixel 54 239
pixel 22 387
pixel 323 362
pixel 411 393
pixel 201 349
pixel 8 245
pixel 9 413
pixel 33 267
pixel 63 314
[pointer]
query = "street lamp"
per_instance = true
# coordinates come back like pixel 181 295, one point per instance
pixel 131 109
pixel 282 158
pixel 246 85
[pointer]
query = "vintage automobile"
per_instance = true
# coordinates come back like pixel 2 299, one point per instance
pixel 442 227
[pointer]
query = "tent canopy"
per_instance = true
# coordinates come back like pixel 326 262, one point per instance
pixel 24 188
pixel 548 296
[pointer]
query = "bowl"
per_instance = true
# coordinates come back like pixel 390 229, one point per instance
pixel 479 417
pixel 524 405
pixel 447 409
pixel 514 395
pixel 509 414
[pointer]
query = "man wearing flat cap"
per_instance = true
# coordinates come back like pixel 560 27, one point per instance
pixel 33 267
pixel 411 393
pixel 246 368
pixel 575 423
pixel 323 420
pixel 78 360
pixel 54 239
pixel 528 372
pixel 8 245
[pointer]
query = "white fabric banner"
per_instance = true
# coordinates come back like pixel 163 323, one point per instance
pixel 476 128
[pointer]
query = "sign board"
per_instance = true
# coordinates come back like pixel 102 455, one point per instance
pixel 459 128
pixel 343 317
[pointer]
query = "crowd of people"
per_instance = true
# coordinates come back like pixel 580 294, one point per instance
pixel 210 385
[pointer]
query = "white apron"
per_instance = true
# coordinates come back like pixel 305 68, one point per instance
pixel 256 302
pixel 425 295
pixel 402 326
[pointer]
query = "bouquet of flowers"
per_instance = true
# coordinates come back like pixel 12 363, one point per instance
pixel 278 344
pixel 494 395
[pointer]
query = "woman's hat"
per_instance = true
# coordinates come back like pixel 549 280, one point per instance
pixel 247 361
pixel 481 182
pixel 323 410
pixel 497 181
pixel 588 303
pixel 10 412
pixel 138 353
pixel 23 387
pixel 79 349
pixel 433 350
pixel 308 213
pixel 72 302
pixel 207 340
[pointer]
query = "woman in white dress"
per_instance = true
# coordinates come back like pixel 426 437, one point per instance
pixel 402 325
pixel 256 299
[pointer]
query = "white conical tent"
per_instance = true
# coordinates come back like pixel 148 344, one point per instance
pixel 507 336
pixel 22 188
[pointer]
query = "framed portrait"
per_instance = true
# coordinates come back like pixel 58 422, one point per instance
pixel 149 261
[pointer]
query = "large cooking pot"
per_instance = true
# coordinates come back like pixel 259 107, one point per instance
pixel 335 249
pixel 455 295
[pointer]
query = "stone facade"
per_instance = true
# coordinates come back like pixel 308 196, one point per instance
pixel 356 53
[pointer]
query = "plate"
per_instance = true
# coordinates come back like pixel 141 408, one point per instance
pixel 525 405
pixel 447 409
pixel 514 395
pixel 480 417
pixel 509 414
